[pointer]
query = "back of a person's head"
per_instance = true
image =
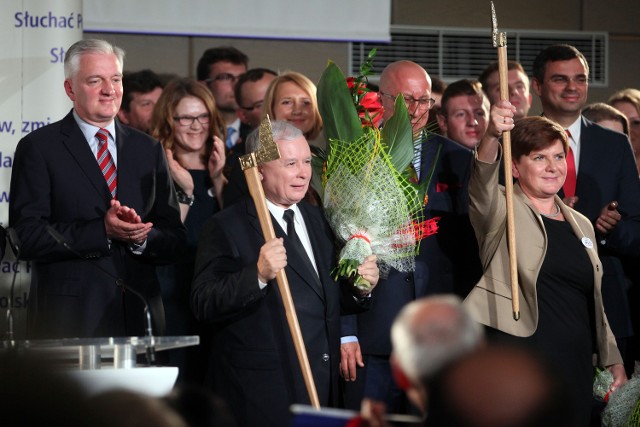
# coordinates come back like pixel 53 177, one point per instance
pixel 431 332
pixel 35 393
pixel 498 386
pixel 125 408
pixel 199 407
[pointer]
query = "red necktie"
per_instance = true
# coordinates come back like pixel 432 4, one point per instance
pixel 105 161
pixel 570 182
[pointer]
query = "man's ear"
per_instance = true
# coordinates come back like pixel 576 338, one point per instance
pixel 442 123
pixel 536 86
pixel 69 90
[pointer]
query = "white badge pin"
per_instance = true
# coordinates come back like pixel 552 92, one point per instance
pixel 587 242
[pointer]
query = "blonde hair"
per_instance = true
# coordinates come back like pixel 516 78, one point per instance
pixel 306 85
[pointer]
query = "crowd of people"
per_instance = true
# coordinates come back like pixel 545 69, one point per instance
pixel 167 213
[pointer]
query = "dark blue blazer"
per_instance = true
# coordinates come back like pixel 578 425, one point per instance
pixel 448 261
pixel 254 364
pixel 607 171
pixel 56 182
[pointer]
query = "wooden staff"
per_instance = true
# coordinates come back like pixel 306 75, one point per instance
pixel 500 42
pixel 267 152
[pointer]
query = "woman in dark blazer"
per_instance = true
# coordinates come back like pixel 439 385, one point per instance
pixel 562 316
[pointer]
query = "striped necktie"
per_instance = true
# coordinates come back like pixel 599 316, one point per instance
pixel 105 161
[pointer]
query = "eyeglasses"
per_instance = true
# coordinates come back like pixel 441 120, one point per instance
pixel 564 80
pixel 255 106
pixel 203 119
pixel 410 100
pixel 223 77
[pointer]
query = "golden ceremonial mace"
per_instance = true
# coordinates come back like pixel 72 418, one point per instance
pixel 500 42
pixel 267 152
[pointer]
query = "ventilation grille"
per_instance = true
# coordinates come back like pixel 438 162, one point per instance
pixel 454 54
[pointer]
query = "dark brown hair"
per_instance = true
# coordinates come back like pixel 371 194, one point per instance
pixel 534 134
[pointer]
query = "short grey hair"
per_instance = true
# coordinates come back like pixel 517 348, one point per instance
pixel 431 332
pixel 281 131
pixel 82 47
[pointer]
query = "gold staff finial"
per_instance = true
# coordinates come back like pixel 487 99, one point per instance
pixel 267 151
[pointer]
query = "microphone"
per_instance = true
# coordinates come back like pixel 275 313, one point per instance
pixel 150 348
pixel 15 244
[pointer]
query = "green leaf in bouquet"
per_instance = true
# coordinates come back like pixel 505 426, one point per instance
pixel 317 166
pixel 397 135
pixel 340 120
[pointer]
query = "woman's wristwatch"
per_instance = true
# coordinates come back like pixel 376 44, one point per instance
pixel 184 199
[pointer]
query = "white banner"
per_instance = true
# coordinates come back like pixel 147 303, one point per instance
pixel 34 36
pixel 333 20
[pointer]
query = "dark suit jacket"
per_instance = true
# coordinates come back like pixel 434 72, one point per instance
pixel 448 261
pixel 56 182
pixel 254 364
pixel 236 188
pixel 607 171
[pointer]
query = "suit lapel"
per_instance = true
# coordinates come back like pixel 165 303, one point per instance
pixel 78 148
pixel 126 162
pixel 588 157
pixel 294 259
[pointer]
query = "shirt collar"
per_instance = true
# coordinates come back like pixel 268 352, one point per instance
pixel 278 211
pixel 89 131
pixel 575 129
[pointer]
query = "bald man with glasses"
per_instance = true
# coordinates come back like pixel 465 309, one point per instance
pixel 448 261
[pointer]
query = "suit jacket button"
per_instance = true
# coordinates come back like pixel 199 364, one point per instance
pixel 325 357
pixel 407 279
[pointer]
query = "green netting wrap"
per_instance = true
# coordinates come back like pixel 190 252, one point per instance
pixel 370 206
pixel 622 410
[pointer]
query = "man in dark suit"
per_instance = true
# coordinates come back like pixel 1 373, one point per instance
pixel 448 261
pixel 219 68
pixel 254 364
pixel 122 219
pixel 606 173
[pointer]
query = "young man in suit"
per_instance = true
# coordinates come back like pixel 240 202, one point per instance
pixel 604 172
pixel 219 68
pixel 464 115
pixel 89 194
pixel 253 362
pixel 448 261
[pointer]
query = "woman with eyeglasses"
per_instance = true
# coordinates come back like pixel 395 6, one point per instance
pixel 187 123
